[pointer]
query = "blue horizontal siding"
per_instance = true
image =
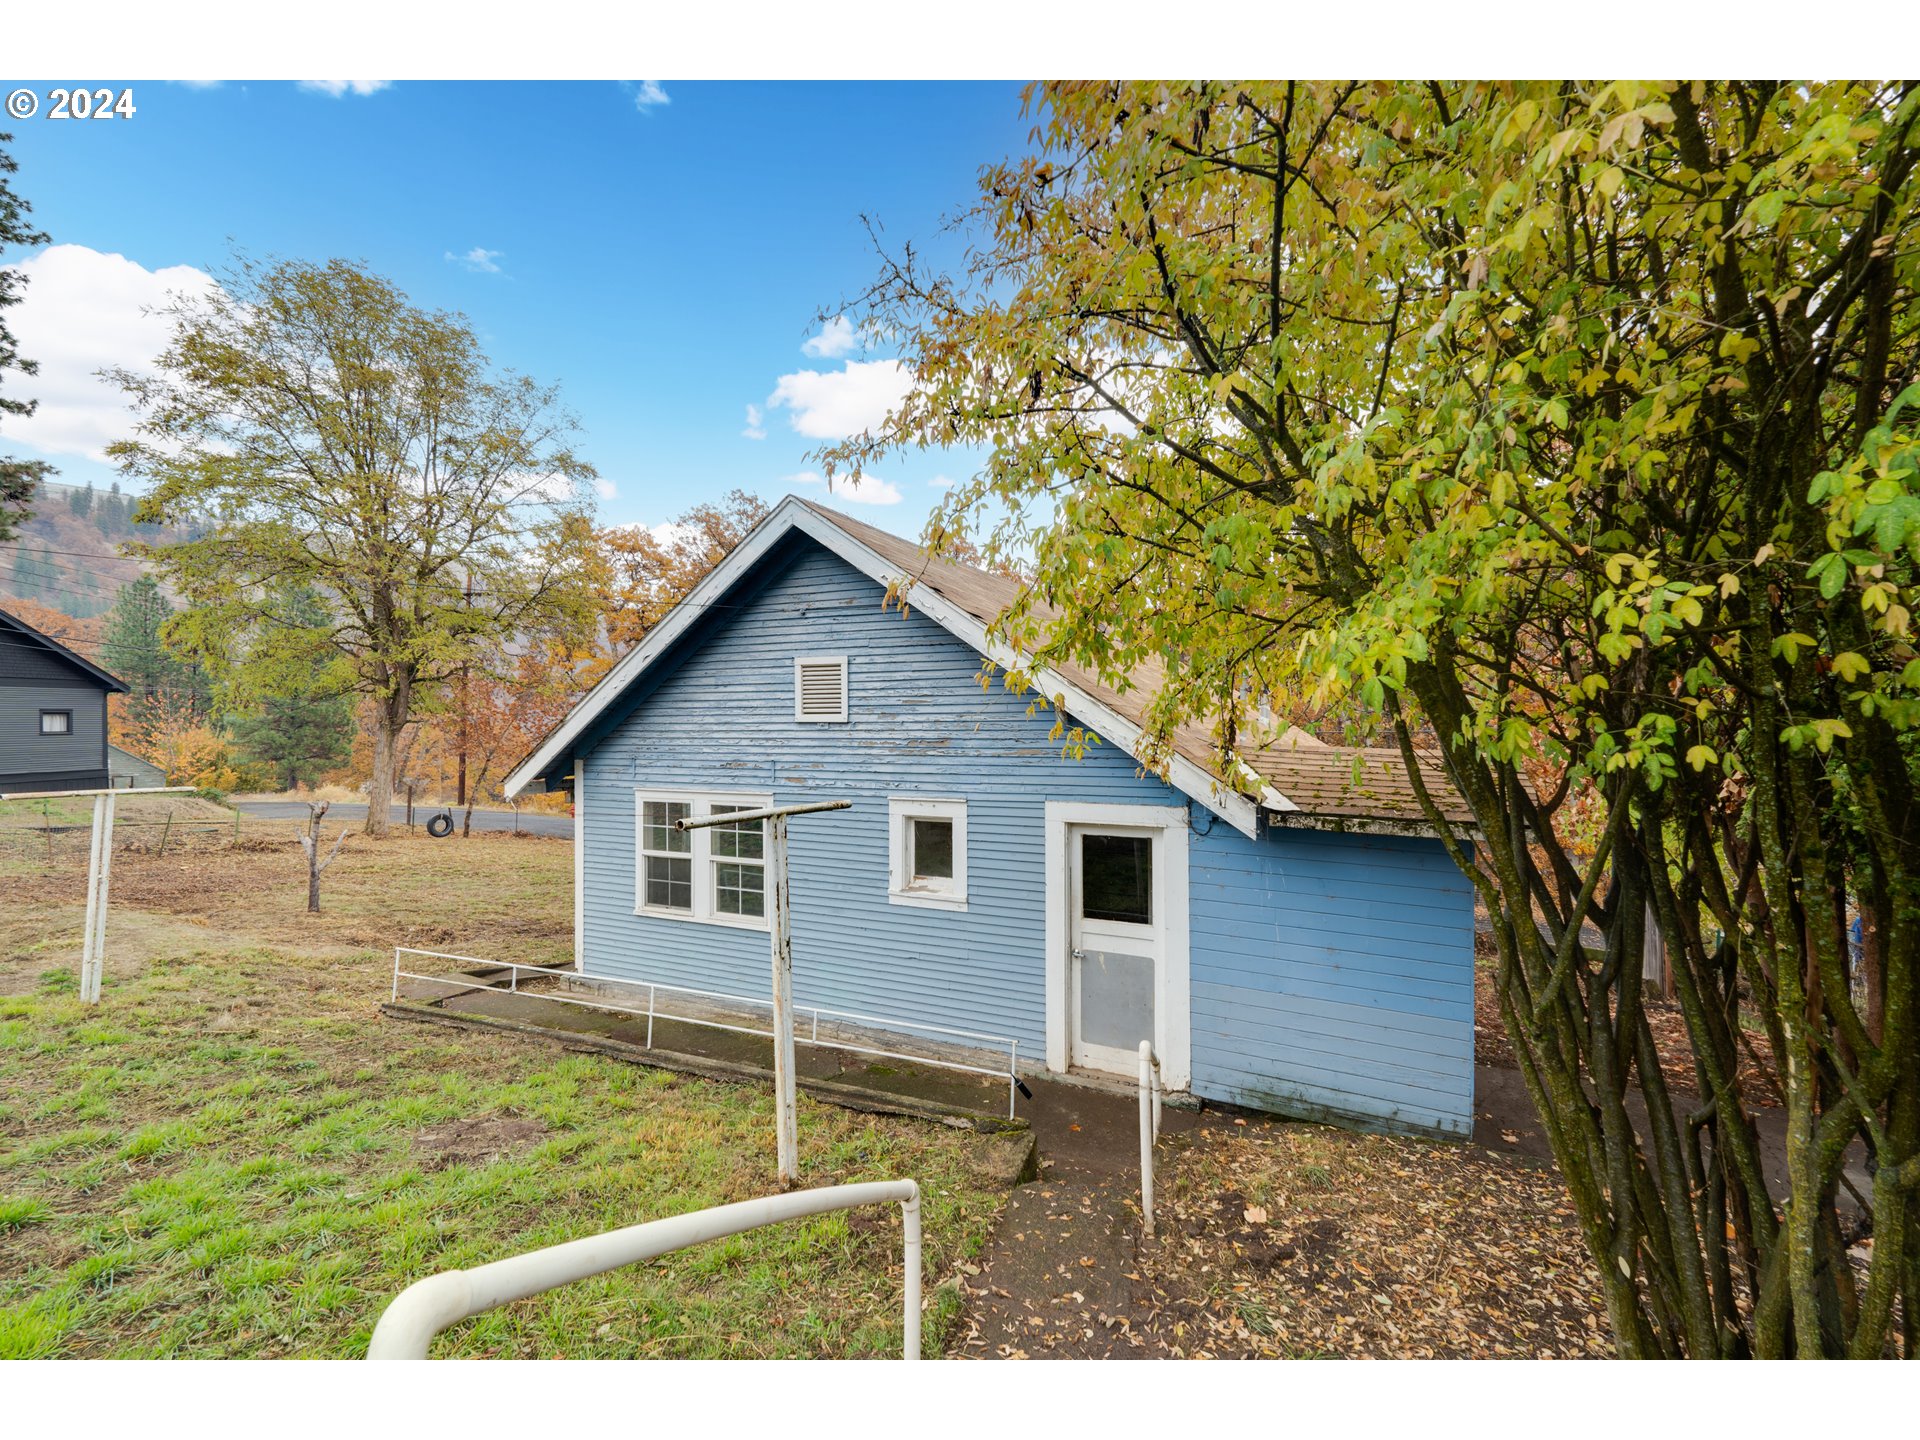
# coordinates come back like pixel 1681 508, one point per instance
pixel 919 723
pixel 1331 976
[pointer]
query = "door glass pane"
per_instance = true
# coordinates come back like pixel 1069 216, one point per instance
pixel 1116 878
pixel 932 849
pixel 1116 999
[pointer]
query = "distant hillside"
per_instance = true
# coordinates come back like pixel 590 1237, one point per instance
pixel 68 555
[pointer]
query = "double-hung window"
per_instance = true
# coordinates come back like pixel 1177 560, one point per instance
pixel 738 857
pixel 716 874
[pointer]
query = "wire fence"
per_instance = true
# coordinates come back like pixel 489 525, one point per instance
pixel 46 835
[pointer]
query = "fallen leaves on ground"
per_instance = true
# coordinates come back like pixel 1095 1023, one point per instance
pixel 1287 1240
pixel 1370 1246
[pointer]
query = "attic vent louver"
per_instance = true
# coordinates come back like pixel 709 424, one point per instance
pixel 820 688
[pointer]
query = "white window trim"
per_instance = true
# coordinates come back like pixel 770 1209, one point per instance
pixel 580 862
pixel 900 889
pixel 798 662
pixel 1173 1023
pixel 702 803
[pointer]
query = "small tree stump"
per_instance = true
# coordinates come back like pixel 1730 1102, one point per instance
pixel 310 842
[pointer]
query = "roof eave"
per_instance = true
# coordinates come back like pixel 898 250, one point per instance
pixel 1365 824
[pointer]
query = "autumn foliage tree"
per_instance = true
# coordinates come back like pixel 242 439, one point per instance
pixel 641 575
pixel 1579 424
pixel 332 435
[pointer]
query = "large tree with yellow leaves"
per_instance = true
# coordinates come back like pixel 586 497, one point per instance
pixel 1577 423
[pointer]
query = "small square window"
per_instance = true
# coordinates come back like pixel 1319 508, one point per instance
pixel 56 722
pixel 928 840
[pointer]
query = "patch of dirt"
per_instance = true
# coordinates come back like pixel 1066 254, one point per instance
pixel 1282 1240
pixel 477 1141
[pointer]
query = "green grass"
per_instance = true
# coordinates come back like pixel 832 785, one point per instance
pixel 233 1155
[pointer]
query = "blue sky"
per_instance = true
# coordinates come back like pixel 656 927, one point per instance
pixel 658 252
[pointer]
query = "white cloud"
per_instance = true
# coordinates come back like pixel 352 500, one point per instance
pixel 756 428
pixel 855 490
pixel 605 489
pixel 479 260
pixel 649 93
pixel 941 482
pixel 337 88
pixel 83 312
pixel 831 405
pixel 837 339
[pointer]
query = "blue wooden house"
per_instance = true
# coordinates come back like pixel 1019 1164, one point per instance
pixel 1297 942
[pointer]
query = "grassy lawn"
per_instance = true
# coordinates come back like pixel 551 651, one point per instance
pixel 235 1155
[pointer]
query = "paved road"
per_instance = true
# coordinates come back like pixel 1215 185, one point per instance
pixel 556 825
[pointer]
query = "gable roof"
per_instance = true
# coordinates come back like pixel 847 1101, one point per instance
pixel 12 627
pixel 1334 784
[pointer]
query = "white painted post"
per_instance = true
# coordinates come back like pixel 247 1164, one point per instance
pixel 780 902
pixel 910 1319
pixel 94 899
pixel 93 945
pixel 785 1104
pixel 1146 1136
pixel 93 948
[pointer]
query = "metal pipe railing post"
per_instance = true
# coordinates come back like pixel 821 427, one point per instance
pixel 1147 1129
pixel 910 1323
pixel 406 1328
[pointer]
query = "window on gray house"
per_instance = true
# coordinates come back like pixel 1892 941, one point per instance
pixel 56 722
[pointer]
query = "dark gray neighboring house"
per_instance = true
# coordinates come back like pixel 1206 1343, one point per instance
pixel 53 713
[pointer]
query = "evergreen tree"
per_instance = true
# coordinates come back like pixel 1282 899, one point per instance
pixel 303 725
pixel 18 478
pixel 80 501
pixel 133 649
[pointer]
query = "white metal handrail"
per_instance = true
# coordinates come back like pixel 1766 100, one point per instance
pixel 421 1311
pixel 1149 1129
pixel 652 1012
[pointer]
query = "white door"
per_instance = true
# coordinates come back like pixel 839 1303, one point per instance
pixel 1118 945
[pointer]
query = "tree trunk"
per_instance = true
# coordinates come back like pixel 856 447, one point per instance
pixel 391 714
pixel 310 842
